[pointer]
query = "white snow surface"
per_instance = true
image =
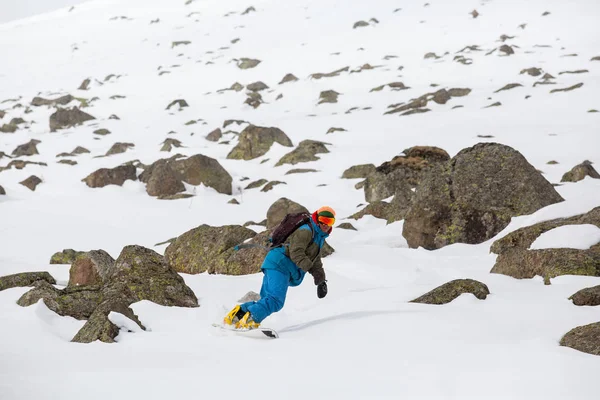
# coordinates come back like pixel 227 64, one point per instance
pixel 364 340
pixel 580 237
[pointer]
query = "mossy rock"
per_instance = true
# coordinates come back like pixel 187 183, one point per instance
pixel 516 260
pixel 76 302
pixel 451 290
pixel 24 279
pixel 148 276
pixel 305 152
pixel 579 172
pixel 205 248
pixel 328 96
pixel 67 256
pixel 256 141
pixel 247 63
pixel 377 209
pixel 584 338
pixel 472 197
pixel 587 297
pixel 358 171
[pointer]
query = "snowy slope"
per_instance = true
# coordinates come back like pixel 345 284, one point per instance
pixel 364 340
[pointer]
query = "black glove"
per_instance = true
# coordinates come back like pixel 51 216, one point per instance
pixel 322 289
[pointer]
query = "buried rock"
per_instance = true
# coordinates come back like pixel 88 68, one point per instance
pixel 256 141
pixel 63 101
pixel 472 197
pixel 579 172
pixel 328 96
pixel 449 291
pixel 27 149
pixel 584 338
pixel 114 176
pixel 31 183
pixel 24 279
pixel 587 297
pixel 67 118
pixel 100 327
pixel 516 259
pixel 305 152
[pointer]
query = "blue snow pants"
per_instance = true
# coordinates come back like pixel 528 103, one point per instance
pixel 279 273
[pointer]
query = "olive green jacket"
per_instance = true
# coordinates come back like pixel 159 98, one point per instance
pixel 306 253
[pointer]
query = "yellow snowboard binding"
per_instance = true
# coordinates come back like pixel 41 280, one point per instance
pixel 247 322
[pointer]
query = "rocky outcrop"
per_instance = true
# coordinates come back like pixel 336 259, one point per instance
pixel 24 279
pixel 579 172
pixel 67 118
pixel 113 176
pixel 472 197
pixel 449 291
pixel 255 141
pixel 137 274
pixel 517 260
pixel 305 152
pixel 584 338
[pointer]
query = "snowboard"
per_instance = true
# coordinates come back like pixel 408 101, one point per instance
pixel 259 332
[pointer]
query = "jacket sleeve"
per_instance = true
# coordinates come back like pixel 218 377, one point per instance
pixel 317 271
pixel 299 242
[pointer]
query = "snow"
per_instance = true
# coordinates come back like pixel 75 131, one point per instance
pixel 364 340
pixel 580 237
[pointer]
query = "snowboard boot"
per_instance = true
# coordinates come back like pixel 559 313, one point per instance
pixel 247 323
pixel 234 316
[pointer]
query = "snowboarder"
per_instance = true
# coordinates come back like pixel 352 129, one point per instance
pixel 285 266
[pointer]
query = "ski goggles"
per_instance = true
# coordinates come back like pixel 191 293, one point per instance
pixel 326 220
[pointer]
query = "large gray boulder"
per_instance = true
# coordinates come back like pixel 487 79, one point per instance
pixel 280 208
pixel 517 260
pixel 472 197
pixel 256 141
pixel 66 118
